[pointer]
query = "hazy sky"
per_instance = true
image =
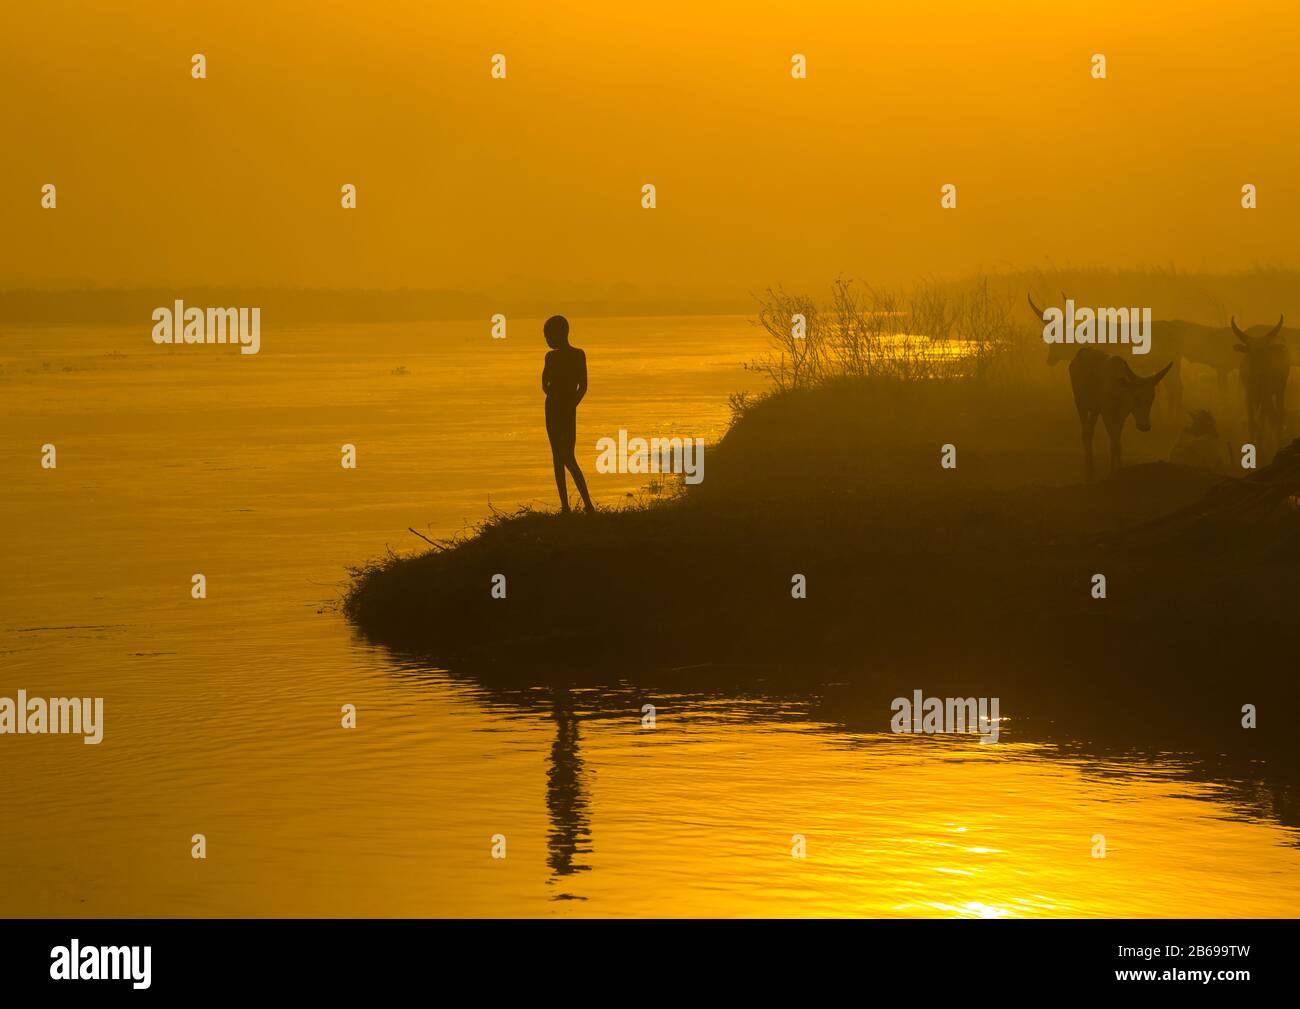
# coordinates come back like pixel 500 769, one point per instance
pixel 534 182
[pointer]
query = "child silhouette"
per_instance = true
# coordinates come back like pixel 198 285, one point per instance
pixel 564 380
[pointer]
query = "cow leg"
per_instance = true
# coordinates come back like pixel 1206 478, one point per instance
pixel 1087 426
pixel 1277 421
pixel 1173 391
pixel 1115 431
pixel 1252 424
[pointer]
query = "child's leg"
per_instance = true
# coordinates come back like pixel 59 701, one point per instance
pixel 579 481
pixel 560 485
pixel 571 459
pixel 556 434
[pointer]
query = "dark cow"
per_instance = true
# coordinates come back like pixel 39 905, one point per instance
pixel 1265 368
pixel 1106 387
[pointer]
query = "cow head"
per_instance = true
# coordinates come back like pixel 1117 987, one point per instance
pixel 1056 352
pixel 1259 352
pixel 1143 393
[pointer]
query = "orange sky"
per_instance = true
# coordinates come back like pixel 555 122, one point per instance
pixel 533 183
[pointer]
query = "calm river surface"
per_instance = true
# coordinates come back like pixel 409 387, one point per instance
pixel 222 715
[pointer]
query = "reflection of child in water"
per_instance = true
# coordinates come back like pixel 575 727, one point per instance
pixel 564 380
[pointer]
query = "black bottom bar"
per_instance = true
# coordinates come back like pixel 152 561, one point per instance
pixel 336 958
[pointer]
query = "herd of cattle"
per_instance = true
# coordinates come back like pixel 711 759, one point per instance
pixel 1106 388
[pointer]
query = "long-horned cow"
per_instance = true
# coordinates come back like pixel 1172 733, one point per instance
pixel 1166 341
pixel 1106 387
pixel 1265 368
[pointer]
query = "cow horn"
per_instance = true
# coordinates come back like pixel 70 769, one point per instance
pixel 1276 329
pixel 1037 311
pixel 1237 332
pixel 1161 373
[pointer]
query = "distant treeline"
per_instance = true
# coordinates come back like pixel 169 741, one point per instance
pixel 1254 296
pixel 112 306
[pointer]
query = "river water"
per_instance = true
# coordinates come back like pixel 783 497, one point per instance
pixel 222 715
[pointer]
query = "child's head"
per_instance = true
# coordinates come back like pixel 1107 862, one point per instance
pixel 556 331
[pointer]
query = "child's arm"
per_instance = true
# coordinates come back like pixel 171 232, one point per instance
pixel 582 377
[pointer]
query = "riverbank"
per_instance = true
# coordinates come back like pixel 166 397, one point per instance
pixel 978 576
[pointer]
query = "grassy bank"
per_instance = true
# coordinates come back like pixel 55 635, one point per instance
pixel 903 558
